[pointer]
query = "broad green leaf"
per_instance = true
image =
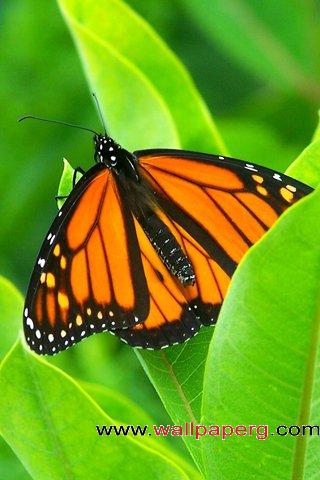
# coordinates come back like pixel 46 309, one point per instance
pixel 306 167
pixel 50 423
pixel 177 375
pixel 117 405
pixel 147 96
pixel 122 408
pixel 263 363
pixel 11 305
pixel 272 39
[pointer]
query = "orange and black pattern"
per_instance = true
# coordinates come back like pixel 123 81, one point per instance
pixel 216 208
pixel 150 267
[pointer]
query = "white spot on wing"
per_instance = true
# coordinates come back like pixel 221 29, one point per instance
pixel 29 322
pixel 276 176
pixel 248 166
pixel 41 262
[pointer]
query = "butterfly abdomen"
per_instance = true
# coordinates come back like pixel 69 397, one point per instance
pixel 168 249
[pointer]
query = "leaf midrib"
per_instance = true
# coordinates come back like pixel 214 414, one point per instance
pixel 178 386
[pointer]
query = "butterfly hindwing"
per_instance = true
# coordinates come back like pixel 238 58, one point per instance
pixel 171 319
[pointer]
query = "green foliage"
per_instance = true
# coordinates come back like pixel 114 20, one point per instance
pixel 40 76
pixel 267 342
pixel 58 423
pixel 306 167
pixel 158 97
pixel 66 182
pixel 11 303
pixel 262 37
pixel 177 375
pixel 49 409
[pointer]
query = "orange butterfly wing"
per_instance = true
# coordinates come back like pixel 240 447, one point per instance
pixel 99 270
pixel 89 274
pixel 216 208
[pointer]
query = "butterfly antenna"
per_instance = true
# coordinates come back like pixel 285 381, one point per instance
pixel 25 117
pixel 100 113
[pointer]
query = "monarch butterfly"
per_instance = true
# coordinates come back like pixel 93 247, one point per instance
pixel 146 243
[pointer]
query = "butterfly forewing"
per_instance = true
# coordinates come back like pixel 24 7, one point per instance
pixel 88 277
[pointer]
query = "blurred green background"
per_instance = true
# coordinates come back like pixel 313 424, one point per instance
pixel 256 65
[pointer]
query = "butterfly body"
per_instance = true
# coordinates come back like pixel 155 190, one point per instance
pixel 142 201
pixel 145 246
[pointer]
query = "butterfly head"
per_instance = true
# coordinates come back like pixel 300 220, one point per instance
pixel 107 151
pixel 113 156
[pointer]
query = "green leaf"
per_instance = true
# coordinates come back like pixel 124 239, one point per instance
pixel 122 408
pixel 306 167
pixel 263 363
pixel 272 40
pixel 50 423
pixel 118 406
pixel 66 182
pixel 11 305
pixel 177 375
pixel 146 94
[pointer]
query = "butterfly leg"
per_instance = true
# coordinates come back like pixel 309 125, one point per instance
pixel 74 181
pixel 75 173
pixel 60 197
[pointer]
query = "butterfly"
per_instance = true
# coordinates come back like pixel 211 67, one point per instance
pixel 146 243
